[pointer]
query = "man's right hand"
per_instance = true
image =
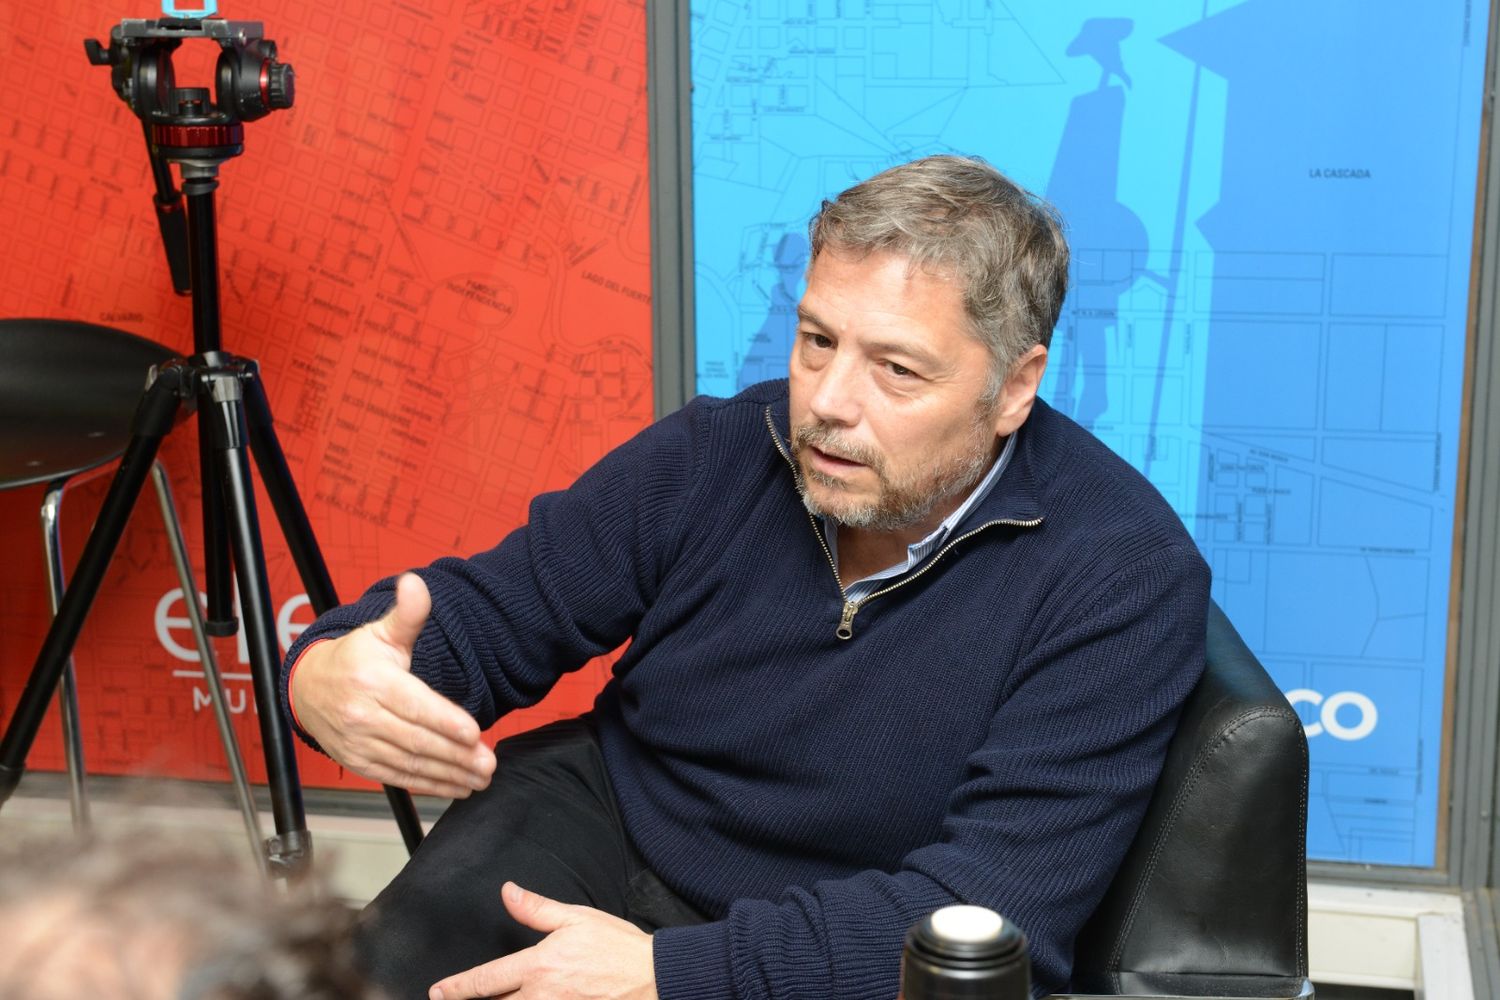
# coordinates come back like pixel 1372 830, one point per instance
pixel 356 696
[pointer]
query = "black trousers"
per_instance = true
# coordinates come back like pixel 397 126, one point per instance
pixel 549 823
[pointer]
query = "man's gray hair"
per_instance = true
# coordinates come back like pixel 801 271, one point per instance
pixel 958 215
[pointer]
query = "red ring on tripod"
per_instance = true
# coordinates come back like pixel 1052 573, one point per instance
pixel 193 136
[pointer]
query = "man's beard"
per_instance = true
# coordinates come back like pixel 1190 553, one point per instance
pixel 899 503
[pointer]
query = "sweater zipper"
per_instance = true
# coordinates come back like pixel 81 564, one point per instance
pixel 845 628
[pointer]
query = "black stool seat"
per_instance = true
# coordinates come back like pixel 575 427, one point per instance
pixel 67 393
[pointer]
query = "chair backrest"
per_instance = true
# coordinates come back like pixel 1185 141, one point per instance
pixel 1211 899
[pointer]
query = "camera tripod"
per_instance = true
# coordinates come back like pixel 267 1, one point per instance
pixel 182 126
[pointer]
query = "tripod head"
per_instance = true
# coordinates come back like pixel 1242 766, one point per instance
pixel 185 125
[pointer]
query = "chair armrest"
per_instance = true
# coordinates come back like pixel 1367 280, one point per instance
pixel 1166 986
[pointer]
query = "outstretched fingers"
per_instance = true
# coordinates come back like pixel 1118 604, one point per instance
pixel 409 699
pixel 492 979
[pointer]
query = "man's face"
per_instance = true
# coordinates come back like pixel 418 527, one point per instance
pixel 890 427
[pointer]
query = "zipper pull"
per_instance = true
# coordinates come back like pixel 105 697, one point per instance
pixel 846 622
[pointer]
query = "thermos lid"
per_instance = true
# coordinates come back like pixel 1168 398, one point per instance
pixel 967 924
pixel 967 934
pixel 965 953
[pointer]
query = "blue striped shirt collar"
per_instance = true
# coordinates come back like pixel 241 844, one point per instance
pixel 920 550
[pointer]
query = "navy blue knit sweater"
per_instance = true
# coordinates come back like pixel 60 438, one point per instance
pixel 990 733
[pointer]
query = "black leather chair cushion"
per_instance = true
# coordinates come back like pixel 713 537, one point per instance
pixel 1211 899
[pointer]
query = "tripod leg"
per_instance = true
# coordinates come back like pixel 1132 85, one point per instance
pixel 153 418
pixel 211 676
pixel 282 489
pixel 291 848
pixel 285 500
pixel 67 689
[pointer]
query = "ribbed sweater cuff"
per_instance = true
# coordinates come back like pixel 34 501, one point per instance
pixel 692 963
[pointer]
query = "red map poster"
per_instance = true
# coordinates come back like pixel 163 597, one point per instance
pixel 439 256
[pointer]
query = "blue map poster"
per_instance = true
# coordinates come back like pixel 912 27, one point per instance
pixel 1271 207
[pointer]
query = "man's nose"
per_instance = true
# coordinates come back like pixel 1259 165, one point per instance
pixel 838 398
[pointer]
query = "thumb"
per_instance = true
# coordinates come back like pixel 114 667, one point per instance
pixel 403 623
pixel 533 909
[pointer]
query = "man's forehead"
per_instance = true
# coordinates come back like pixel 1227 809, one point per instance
pixel 928 265
pixel 884 290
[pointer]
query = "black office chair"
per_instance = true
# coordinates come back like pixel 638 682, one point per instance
pixel 1211 900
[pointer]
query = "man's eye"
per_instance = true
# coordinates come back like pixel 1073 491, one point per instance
pixel 818 340
pixel 900 370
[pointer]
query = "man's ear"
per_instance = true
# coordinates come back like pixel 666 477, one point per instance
pixel 1019 391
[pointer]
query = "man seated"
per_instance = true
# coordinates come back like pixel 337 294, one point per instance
pixel 900 635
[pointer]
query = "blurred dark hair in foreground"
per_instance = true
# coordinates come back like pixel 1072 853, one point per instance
pixel 151 914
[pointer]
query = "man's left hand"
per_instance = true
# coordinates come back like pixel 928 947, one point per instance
pixel 586 954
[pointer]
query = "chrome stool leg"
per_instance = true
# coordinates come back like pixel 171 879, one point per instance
pixel 67 686
pixel 211 674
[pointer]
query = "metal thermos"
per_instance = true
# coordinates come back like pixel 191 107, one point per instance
pixel 965 953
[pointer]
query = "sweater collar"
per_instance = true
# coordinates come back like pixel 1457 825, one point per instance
pixel 1014 497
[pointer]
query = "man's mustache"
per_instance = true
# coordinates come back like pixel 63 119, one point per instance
pixel 827 439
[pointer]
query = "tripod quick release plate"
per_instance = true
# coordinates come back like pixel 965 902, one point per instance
pixel 205 8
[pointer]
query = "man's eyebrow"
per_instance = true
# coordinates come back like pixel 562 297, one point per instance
pixel 807 314
pixel 917 353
